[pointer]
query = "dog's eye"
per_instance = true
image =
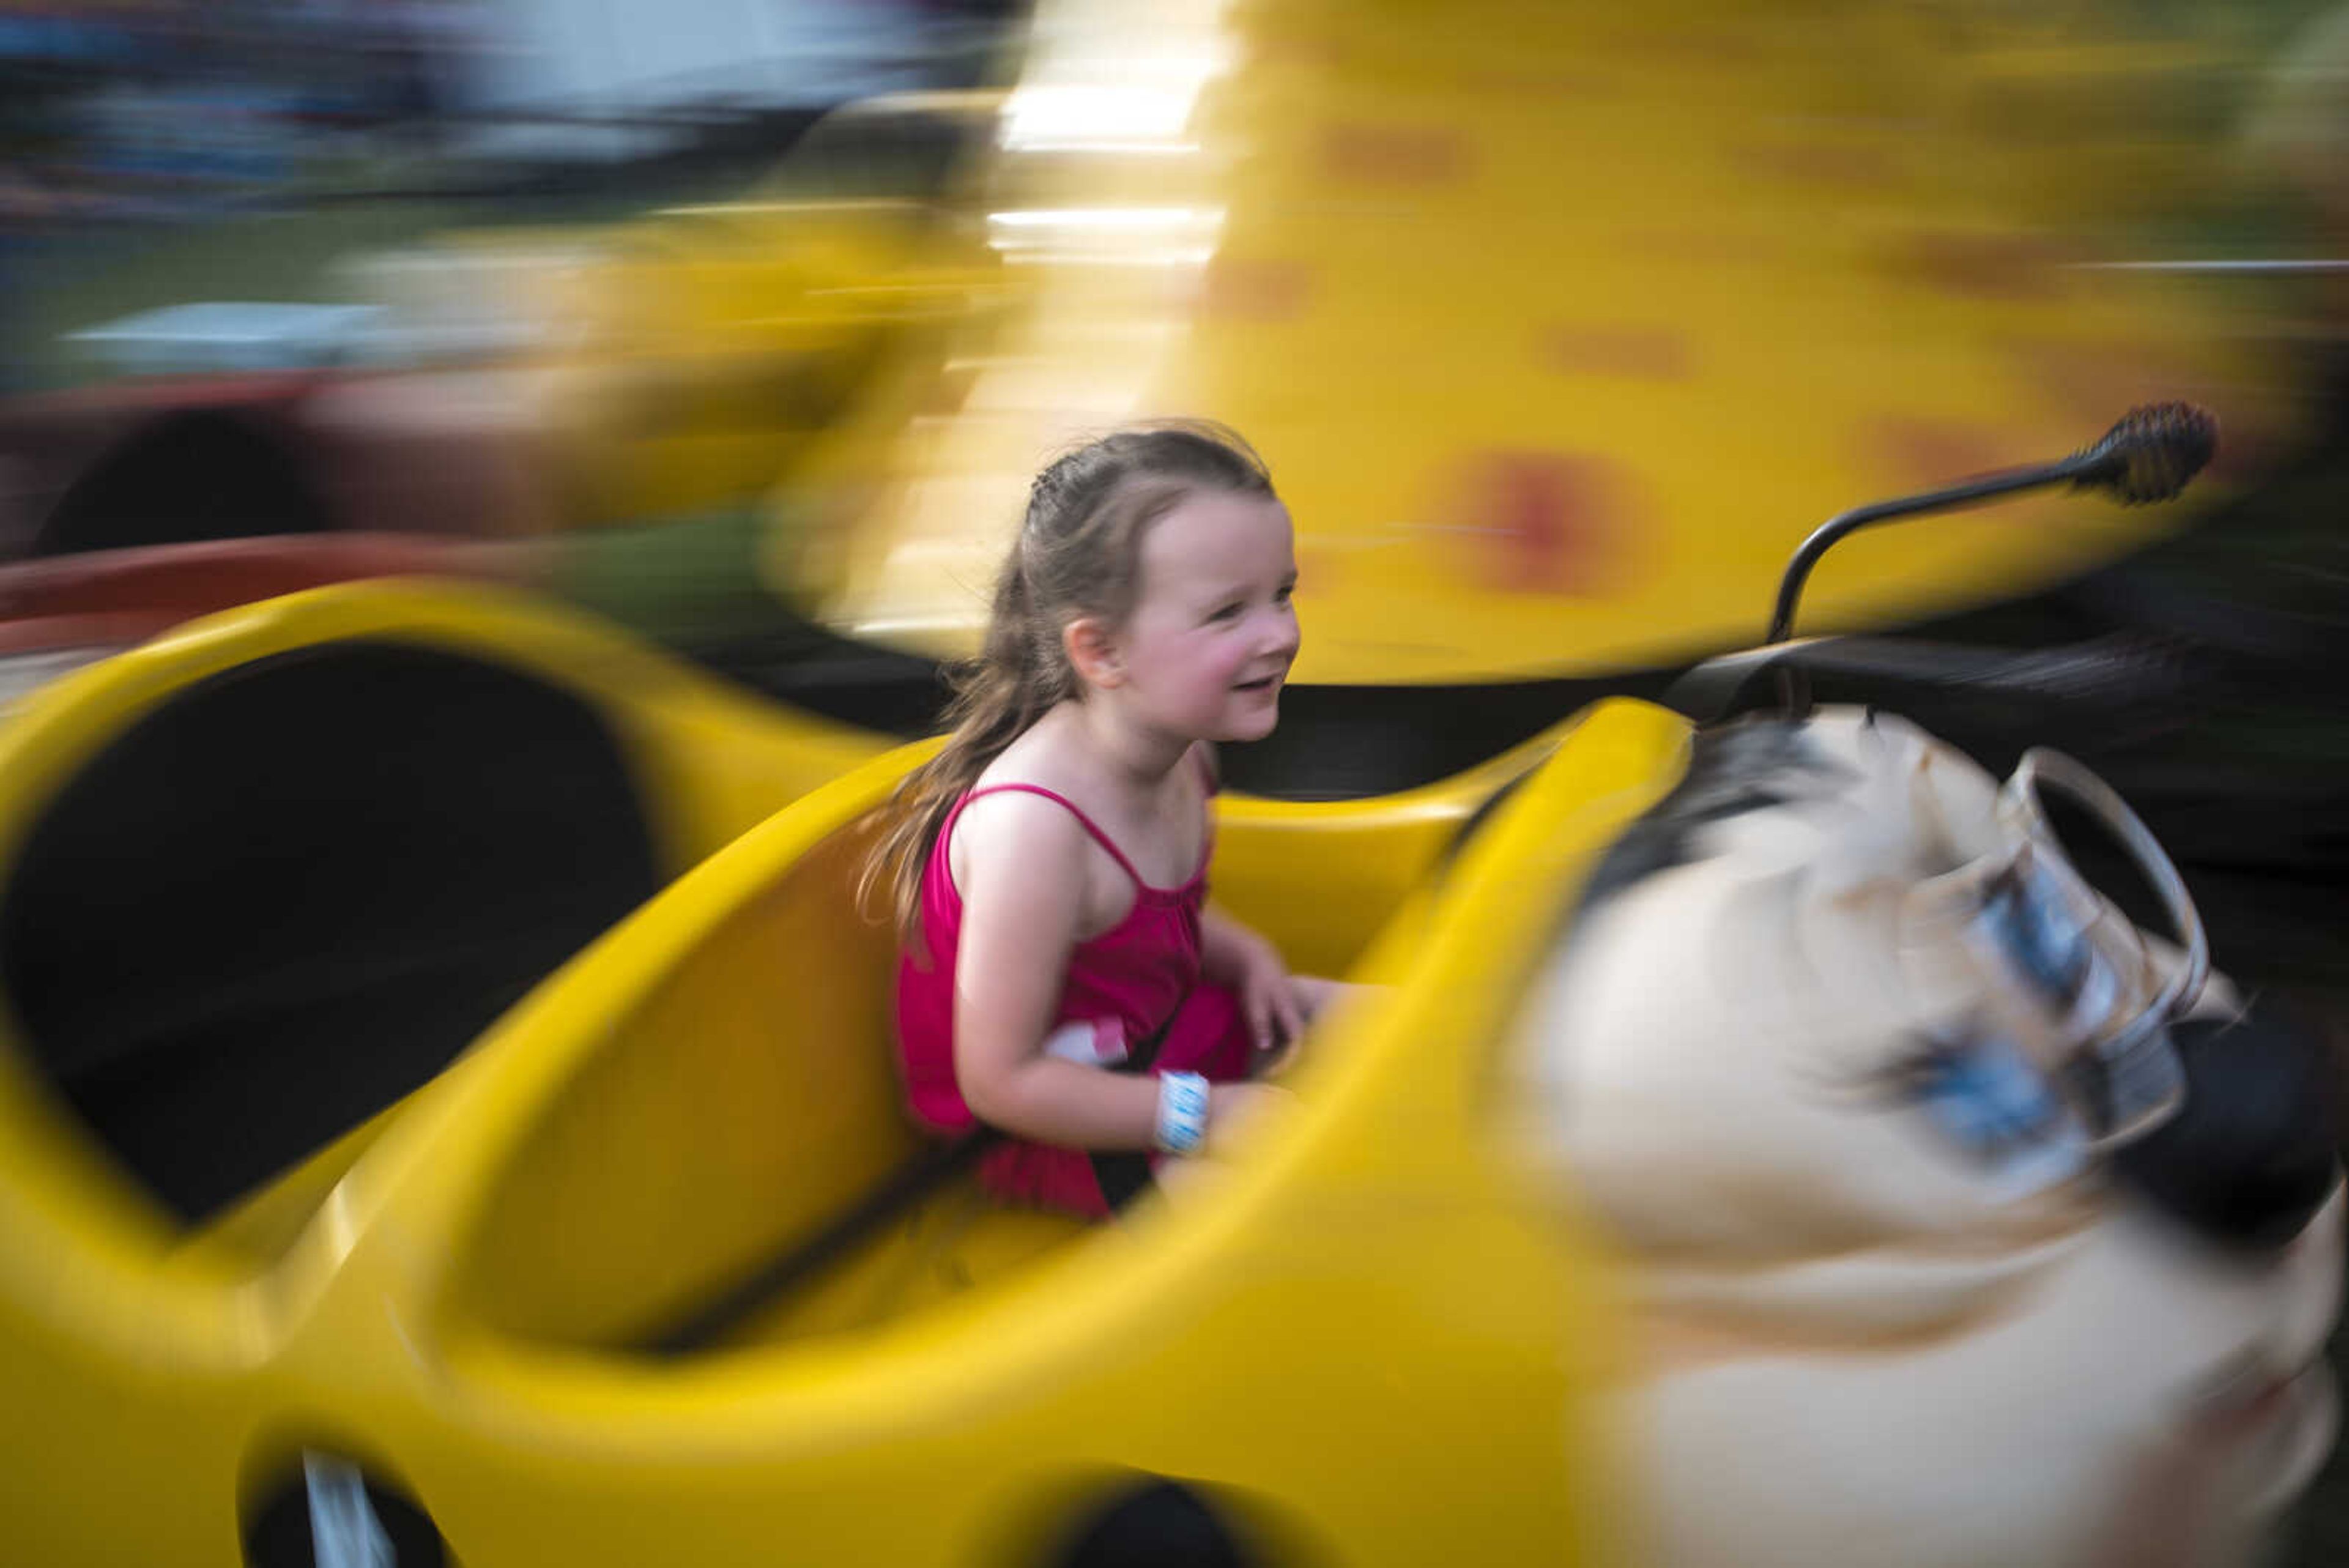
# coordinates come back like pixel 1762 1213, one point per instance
pixel 1986 1098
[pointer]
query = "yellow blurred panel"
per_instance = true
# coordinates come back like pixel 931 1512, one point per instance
pixel 1559 326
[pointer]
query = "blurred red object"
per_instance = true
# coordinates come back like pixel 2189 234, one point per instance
pixel 116 597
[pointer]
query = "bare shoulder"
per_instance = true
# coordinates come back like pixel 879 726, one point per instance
pixel 1018 861
pixel 1016 844
pixel 1017 825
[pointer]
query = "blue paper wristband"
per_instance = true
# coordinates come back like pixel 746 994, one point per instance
pixel 1182 1112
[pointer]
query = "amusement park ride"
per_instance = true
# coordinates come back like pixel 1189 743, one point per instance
pixel 445 1077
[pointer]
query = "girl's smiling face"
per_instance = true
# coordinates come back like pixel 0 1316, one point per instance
pixel 1213 633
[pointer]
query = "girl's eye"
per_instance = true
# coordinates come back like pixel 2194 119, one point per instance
pixel 1287 590
pixel 1227 612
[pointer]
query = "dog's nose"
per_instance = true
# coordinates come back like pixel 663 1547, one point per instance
pixel 2251 1155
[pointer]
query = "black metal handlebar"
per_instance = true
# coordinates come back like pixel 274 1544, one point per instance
pixel 2149 455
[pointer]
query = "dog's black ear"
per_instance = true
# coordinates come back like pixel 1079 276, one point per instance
pixel 1752 765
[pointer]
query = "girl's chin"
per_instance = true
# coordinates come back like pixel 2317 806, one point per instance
pixel 1253 722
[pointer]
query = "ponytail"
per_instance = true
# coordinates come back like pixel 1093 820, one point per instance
pixel 1017 679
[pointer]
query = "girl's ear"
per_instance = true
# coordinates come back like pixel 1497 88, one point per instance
pixel 1093 652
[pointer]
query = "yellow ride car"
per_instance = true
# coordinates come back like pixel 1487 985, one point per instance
pixel 270 873
pixel 1901 1231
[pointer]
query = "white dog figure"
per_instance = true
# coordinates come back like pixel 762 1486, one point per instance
pixel 1948 1243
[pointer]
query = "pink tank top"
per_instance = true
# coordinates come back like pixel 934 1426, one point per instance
pixel 1122 985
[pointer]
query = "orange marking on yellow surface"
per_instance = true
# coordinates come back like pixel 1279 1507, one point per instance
pixel 1642 353
pixel 2011 266
pixel 1543 521
pixel 1254 289
pixel 1394 154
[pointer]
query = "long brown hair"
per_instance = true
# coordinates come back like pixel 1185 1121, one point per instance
pixel 1079 554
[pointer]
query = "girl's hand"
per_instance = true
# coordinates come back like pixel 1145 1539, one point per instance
pixel 1268 995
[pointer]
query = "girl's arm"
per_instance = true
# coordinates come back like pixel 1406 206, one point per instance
pixel 1023 886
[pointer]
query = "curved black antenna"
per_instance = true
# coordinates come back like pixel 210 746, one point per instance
pixel 2149 456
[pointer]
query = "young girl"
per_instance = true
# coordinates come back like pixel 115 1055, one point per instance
pixel 1049 865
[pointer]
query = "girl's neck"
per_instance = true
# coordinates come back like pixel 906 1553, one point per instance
pixel 1133 757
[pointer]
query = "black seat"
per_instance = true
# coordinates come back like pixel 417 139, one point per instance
pixel 295 892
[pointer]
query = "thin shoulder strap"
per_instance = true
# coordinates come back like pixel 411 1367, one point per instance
pixel 1065 804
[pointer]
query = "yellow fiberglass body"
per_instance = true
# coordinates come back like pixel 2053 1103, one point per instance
pixel 1559 325
pixel 269 872
pixel 1363 1342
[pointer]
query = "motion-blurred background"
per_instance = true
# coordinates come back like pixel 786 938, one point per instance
pixel 744 322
